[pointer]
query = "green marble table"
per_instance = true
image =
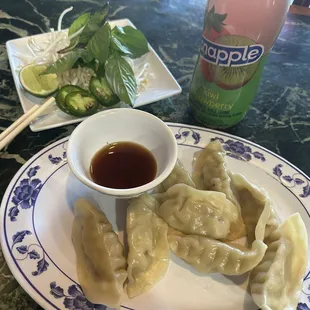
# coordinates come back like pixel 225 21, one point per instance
pixel 278 118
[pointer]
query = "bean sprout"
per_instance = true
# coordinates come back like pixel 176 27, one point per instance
pixel 62 15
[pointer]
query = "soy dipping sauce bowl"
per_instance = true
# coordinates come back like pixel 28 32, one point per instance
pixel 119 125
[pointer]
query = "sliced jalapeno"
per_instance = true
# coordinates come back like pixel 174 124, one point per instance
pixel 62 94
pixel 100 88
pixel 81 103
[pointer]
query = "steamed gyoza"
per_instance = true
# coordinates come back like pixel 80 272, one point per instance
pixel 210 173
pixel 101 265
pixel 253 201
pixel 148 256
pixel 276 282
pixel 204 220
pixel 208 255
pixel 179 175
pixel 193 211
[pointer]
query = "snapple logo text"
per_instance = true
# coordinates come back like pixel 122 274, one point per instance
pixel 230 56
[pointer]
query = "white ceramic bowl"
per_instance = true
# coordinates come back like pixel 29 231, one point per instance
pixel 121 125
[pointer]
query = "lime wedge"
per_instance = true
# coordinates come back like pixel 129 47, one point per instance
pixel 36 84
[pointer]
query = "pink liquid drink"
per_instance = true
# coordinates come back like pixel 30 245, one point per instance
pixel 236 40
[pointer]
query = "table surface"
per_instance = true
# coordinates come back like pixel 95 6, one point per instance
pixel 278 118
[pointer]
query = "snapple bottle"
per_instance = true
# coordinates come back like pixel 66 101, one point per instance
pixel 236 40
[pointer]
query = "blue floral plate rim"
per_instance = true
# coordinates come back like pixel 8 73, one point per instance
pixel 21 196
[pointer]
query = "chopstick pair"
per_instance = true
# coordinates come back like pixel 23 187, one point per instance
pixel 12 131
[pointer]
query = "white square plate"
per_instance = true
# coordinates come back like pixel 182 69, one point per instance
pixel 161 86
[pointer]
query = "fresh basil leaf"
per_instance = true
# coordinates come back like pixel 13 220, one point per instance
pixel 96 21
pixel 100 72
pixel 99 44
pixel 88 32
pixel 86 56
pixel 99 18
pixel 69 48
pixel 79 23
pixel 92 65
pixel 116 45
pixel 80 63
pixel 64 63
pixel 121 78
pixel 129 41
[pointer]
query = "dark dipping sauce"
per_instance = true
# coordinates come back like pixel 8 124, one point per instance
pixel 123 165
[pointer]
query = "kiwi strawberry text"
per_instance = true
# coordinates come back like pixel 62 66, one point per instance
pixel 230 56
pixel 209 98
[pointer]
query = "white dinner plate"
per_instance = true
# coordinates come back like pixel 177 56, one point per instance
pixel 161 84
pixel 37 215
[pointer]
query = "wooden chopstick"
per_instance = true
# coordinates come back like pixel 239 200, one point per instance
pixel 12 131
pixel 17 122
